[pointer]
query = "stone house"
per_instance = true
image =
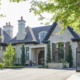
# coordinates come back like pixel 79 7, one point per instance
pixel 35 41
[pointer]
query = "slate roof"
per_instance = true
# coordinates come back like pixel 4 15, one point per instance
pixel 50 32
pixel 7 38
pixel 75 35
pixel 28 38
pixel 36 30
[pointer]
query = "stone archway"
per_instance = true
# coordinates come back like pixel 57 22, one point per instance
pixel 41 58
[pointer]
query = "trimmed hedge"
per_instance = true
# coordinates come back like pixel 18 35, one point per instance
pixel 1 65
pixel 14 67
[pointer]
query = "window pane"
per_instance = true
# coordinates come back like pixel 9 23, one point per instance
pixel 42 35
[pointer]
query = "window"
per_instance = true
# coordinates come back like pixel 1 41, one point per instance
pixel 42 35
pixel 27 53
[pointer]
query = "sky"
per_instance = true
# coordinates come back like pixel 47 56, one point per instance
pixel 14 11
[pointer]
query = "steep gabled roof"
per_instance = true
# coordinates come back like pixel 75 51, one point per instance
pixel 74 34
pixel 50 32
pixel 31 37
pixel 37 30
pixel 27 39
pixel 4 37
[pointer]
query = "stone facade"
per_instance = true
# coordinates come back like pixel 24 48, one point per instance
pixel 34 45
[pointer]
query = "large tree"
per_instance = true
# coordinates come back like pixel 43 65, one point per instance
pixel 8 56
pixel 67 11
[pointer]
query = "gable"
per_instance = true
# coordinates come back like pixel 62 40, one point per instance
pixel 55 28
pixel 37 30
pixel 63 37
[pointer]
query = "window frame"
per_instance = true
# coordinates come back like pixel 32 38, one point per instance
pixel 41 34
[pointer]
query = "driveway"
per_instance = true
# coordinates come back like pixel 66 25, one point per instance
pixel 35 74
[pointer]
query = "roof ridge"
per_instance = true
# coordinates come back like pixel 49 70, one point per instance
pixel 40 26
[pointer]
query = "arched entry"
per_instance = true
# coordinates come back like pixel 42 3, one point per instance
pixel 41 58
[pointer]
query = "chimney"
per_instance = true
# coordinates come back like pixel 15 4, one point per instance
pixel 8 28
pixel 21 29
pixel 21 25
pixel 9 23
pixel 6 23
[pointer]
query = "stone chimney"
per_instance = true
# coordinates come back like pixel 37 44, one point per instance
pixel 21 29
pixel 21 25
pixel 8 28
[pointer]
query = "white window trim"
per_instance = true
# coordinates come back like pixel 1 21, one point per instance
pixel 41 33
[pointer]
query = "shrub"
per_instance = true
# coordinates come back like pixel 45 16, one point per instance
pixel 23 56
pixel 8 56
pixel 40 66
pixel 69 57
pixel 13 67
pixel 48 53
pixel 1 65
pixel 46 66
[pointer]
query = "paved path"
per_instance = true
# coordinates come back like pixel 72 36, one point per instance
pixel 35 74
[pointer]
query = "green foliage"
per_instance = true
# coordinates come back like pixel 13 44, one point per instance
pixel 66 11
pixel 8 56
pixel 1 65
pixel 14 67
pixel 16 0
pixel 48 53
pixel 46 66
pixel 69 57
pixel 23 56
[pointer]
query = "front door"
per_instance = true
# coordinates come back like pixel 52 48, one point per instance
pixel 41 58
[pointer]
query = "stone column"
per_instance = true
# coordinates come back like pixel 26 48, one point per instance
pixel 74 46
pixel 30 54
pixel 45 55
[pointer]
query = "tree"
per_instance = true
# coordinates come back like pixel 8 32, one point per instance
pixel 23 56
pixel 69 57
pixel 16 0
pixel 65 11
pixel 48 53
pixel 8 56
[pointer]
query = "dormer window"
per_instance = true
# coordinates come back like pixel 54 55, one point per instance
pixel 42 35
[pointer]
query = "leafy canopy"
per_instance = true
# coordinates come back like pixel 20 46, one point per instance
pixel 67 11
pixel 16 0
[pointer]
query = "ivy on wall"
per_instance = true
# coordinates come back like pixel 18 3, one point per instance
pixel 48 53
pixel 69 57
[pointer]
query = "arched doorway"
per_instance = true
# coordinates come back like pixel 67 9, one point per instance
pixel 41 58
